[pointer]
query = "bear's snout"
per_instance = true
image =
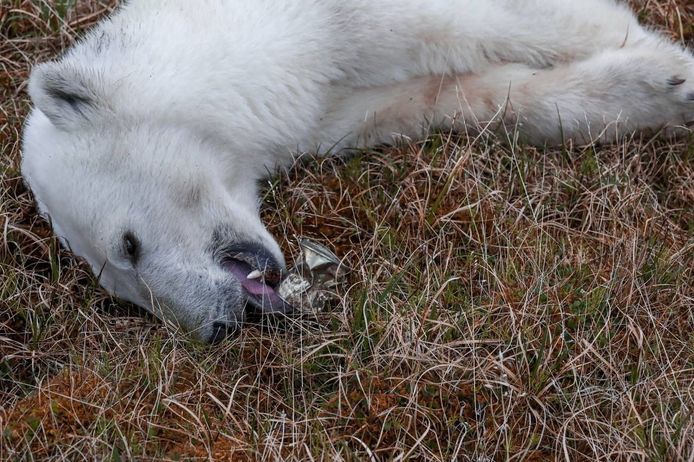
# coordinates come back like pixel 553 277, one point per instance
pixel 257 271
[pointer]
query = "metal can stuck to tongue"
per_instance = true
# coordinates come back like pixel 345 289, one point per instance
pixel 310 286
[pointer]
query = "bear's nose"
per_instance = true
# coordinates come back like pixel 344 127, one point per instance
pixel 222 330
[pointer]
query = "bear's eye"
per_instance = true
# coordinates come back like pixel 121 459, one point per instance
pixel 131 246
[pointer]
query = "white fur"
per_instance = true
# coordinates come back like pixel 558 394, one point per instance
pixel 166 115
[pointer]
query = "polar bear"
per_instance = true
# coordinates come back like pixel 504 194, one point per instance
pixel 148 138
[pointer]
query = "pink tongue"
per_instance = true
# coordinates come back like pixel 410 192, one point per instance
pixel 257 288
pixel 253 286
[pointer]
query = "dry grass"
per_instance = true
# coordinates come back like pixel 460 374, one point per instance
pixel 507 304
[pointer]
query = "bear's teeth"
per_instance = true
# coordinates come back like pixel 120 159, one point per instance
pixel 254 275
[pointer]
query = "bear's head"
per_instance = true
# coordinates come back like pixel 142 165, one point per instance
pixel 165 217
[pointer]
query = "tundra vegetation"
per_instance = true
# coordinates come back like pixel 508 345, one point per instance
pixel 506 303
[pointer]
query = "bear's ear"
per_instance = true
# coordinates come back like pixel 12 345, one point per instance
pixel 67 95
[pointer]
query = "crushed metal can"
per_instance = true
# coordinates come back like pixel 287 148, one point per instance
pixel 310 286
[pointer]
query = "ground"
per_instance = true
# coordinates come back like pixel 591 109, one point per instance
pixel 506 303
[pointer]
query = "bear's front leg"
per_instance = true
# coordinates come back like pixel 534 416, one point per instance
pixel 602 98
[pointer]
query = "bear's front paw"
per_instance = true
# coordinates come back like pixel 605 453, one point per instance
pixel 682 88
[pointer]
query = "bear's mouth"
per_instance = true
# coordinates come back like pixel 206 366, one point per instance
pixel 259 285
